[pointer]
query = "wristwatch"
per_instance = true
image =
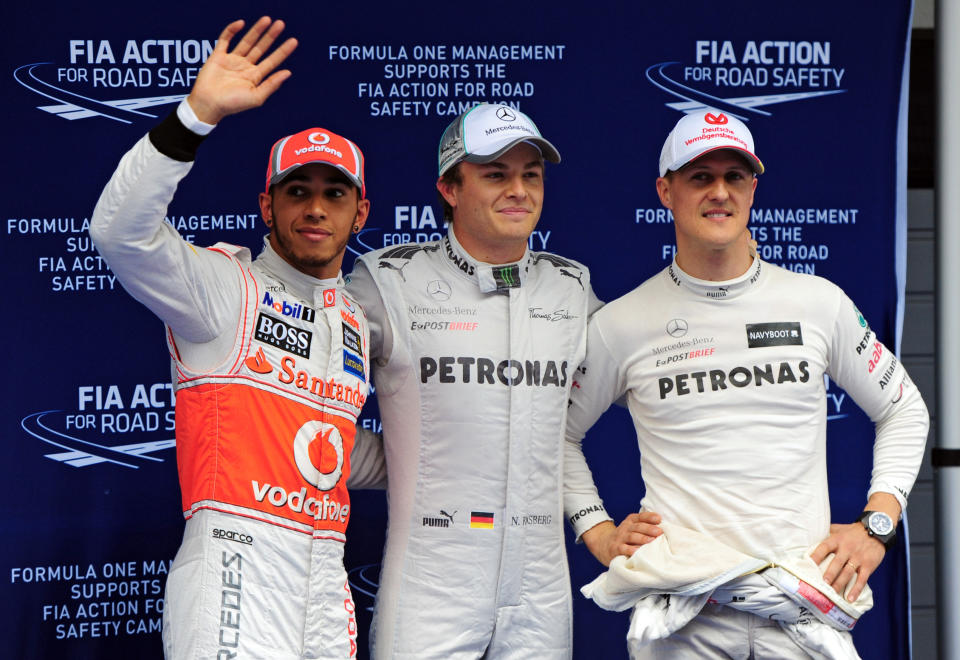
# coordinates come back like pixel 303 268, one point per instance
pixel 880 526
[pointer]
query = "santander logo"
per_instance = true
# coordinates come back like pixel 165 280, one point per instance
pixel 258 363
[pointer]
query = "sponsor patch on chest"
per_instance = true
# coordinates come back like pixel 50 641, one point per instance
pixel 786 333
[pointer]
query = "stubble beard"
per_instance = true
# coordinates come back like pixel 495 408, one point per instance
pixel 304 263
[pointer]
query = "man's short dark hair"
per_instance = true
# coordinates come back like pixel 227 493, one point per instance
pixel 451 177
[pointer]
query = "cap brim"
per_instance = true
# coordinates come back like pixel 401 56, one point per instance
pixel 754 162
pixel 280 176
pixel 548 151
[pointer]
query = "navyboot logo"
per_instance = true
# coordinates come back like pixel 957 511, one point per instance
pixel 760 335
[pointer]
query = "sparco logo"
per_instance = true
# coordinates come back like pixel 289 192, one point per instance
pixel 717 379
pixel 232 536
pixel 283 336
pixel 486 371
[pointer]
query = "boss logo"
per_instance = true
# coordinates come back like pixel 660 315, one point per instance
pixel 283 336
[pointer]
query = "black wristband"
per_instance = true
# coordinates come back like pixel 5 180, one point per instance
pixel 174 140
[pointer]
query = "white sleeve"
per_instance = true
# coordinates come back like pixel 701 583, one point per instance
pixel 879 384
pixel 363 288
pixel 192 290
pixel 368 466
pixel 597 383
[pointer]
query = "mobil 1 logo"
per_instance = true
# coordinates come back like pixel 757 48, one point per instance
pixel 282 335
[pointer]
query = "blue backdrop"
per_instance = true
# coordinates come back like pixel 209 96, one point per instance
pixel 93 517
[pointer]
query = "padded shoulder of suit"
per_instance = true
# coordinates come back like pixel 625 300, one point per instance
pixel 544 259
pixel 238 252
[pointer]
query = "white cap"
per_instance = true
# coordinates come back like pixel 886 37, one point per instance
pixel 487 131
pixel 703 131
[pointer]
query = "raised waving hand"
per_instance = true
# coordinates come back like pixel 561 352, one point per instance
pixel 232 81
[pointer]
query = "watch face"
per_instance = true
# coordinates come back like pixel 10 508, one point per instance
pixel 880 523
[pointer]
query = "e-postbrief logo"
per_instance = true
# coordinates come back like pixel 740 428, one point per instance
pixel 88 75
pixel 740 77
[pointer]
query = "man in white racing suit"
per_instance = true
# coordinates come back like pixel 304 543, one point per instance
pixel 722 360
pixel 270 361
pixel 475 340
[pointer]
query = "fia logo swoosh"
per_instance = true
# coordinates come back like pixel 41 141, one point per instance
pixel 82 453
pixel 743 107
pixel 70 105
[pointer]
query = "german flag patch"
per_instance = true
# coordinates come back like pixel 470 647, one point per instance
pixel 481 519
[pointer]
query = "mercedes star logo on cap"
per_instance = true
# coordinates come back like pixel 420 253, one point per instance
pixel 677 327
pixel 503 113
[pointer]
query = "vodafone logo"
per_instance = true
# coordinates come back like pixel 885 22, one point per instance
pixel 318 138
pixel 317 436
pixel 717 120
pixel 329 297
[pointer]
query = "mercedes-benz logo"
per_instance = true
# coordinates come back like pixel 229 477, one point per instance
pixel 677 327
pixel 438 290
pixel 504 114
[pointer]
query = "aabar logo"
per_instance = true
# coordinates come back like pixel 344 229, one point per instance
pixel 258 363
pixel 318 452
pixel 718 120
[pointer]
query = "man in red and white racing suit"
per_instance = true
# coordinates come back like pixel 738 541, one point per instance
pixel 270 364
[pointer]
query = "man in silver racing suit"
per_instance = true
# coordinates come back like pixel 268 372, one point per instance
pixel 270 360
pixel 724 377
pixel 475 340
